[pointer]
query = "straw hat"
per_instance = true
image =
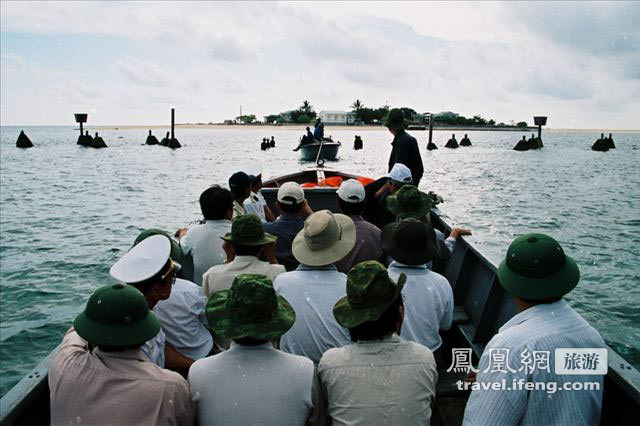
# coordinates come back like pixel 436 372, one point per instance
pixel 325 239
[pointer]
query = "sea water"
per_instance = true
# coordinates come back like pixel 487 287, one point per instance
pixel 69 212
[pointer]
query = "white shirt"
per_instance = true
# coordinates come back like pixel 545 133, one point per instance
pixel 428 304
pixel 380 382
pixel 153 349
pixel 220 277
pixel 312 291
pixel 256 385
pixel 540 328
pixel 255 204
pixel 204 245
pixel 184 320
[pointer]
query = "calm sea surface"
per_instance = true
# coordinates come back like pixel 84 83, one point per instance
pixel 68 213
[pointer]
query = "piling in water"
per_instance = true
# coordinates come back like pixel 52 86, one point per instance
pixel 85 140
pixel 98 142
pixel 431 146
pixel 602 144
pixel 452 143
pixel 522 145
pixel 151 140
pixel 465 141
pixel 23 140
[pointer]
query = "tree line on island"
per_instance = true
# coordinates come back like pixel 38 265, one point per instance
pixel 363 115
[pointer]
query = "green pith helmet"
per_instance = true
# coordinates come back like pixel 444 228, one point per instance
pixel 409 241
pixel 395 119
pixel 117 315
pixel 408 201
pixel 536 268
pixel 251 308
pixel 176 251
pixel 370 292
pixel 247 230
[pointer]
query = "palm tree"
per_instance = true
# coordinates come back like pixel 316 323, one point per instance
pixel 306 107
pixel 357 105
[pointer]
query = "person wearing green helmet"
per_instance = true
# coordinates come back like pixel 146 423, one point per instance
pixel 99 375
pixel 538 274
pixel 379 378
pixel 253 383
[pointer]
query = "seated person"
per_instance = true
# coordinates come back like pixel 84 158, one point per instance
pixel 240 187
pixel 379 378
pixel 202 242
pixel 428 296
pixel 253 383
pixel 314 287
pixel 293 210
pixel 99 375
pixel 256 203
pixel 377 192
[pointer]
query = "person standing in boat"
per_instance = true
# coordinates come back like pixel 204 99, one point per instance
pixel 99 375
pixel 253 383
pixel 428 306
pixel 538 274
pixel 315 286
pixel 318 131
pixel 379 378
pixel 202 241
pixel 240 187
pixel 149 268
pixel 351 201
pixel 294 209
pixel 405 147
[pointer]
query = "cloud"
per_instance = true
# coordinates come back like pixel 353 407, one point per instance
pixel 144 73
pixel 229 49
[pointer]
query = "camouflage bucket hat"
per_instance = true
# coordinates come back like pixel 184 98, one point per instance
pixel 251 308
pixel 409 202
pixel 395 120
pixel 536 268
pixel 117 315
pixel 247 230
pixel 370 292
pixel 176 251
pixel 409 241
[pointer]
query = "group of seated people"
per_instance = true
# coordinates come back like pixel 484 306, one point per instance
pixel 308 318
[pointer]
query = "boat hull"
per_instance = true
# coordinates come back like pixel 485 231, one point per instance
pixel 329 151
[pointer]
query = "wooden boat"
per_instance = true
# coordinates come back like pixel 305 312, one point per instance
pixel 329 151
pixel 481 307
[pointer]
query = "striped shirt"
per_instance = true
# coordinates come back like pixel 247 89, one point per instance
pixel 540 328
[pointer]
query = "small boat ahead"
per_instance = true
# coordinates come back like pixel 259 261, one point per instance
pixel 329 151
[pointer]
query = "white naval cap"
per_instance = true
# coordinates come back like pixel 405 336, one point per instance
pixel 351 191
pixel 143 261
pixel 400 173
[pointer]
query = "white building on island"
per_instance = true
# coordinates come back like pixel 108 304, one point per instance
pixel 337 117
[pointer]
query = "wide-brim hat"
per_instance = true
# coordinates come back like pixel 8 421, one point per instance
pixel 247 230
pixel 408 201
pixel 325 239
pixel 409 241
pixel 395 120
pixel 117 315
pixel 536 268
pixel 370 292
pixel 250 309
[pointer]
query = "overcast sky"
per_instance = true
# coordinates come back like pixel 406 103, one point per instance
pixel 129 63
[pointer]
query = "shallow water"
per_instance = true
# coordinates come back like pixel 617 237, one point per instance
pixel 69 212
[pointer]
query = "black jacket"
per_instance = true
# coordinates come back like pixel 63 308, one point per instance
pixel 405 151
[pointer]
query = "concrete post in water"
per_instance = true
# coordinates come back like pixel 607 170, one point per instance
pixel 539 121
pixel 98 142
pixel 23 140
pixel 430 143
pixel 151 140
pixel 522 145
pixel 452 143
pixel 465 141
pixel 602 144
pixel 173 142
pixel 84 139
pixel 610 143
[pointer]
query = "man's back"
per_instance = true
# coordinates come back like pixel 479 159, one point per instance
pixel 389 381
pixel 220 277
pixel 406 151
pixel 541 328
pixel 428 304
pixel 285 227
pixel 249 385
pixel 367 245
pixel 109 388
pixel 312 291
pixel 203 243
pixel 184 320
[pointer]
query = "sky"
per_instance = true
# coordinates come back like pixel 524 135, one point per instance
pixel 128 63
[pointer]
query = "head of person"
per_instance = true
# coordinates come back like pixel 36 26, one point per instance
pixel 240 186
pixel 290 198
pixel 409 241
pixel 395 121
pixel 216 203
pixel 325 239
pixel 250 312
pixel 247 235
pixel 176 250
pixel 373 307
pixel 408 201
pixel 399 176
pixel 117 317
pixel 351 197
pixel 536 270
pixel 148 267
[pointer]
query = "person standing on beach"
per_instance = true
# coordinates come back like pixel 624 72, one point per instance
pixel 405 147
